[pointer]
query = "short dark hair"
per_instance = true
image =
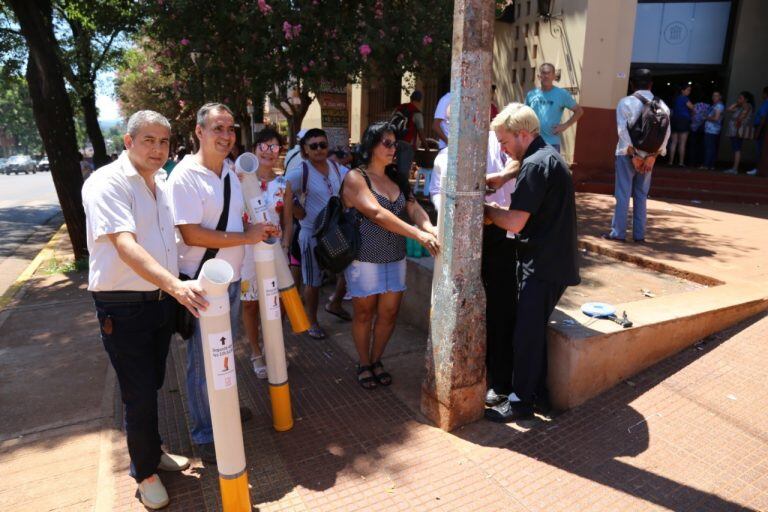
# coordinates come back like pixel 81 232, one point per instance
pixel 202 113
pixel 416 96
pixel 641 78
pixel 312 133
pixel 268 134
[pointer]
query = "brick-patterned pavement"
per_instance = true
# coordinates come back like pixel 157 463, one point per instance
pixel 690 433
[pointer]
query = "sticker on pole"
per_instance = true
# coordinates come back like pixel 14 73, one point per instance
pixel 222 359
pixel 259 207
pixel 272 299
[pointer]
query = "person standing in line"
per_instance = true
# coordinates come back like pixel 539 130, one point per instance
pixel 549 102
pixel 294 156
pixel 633 165
pixel 409 118
pixel 682 109
pixel 542 212
pixel 696 138
pixel 315 182
pixel 376 279
pixel 761 121
pixel 712 127
pixel 199 186
pixel 279 200
pixel 133 278
pixel 441 123
pixel 740 126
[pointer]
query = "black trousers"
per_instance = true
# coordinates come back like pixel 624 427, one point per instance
pixel 136 335
pixel 499 263
pixel 536 301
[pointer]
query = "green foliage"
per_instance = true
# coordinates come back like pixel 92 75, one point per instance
pixel 17 123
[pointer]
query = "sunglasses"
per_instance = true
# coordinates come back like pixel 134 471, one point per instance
pixel 388 143
pixel 275 148
pixel 317 145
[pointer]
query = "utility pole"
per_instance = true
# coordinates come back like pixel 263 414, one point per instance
pixel 454 387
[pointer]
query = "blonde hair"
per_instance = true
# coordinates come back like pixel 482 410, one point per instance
pixel 516 117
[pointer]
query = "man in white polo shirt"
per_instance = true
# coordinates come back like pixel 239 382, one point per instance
pixel 134 277
pixel 198 187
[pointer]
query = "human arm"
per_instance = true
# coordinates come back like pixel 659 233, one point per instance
pixel 577 113
pixel 508 220
pixel 497 180
pixel 187 293
pixel 418 122
pixel 357 195
pixel 438 129
pixel 419 217
pixel 623 115
pixel 716 114
pixel 198 236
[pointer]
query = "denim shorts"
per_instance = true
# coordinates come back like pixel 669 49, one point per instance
pixel 365 279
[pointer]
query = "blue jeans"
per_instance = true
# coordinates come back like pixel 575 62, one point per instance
pixel 136 336
pixel 629 182
pixel 197 391
pixel 710 148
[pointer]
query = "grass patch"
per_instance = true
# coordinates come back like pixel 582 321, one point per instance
pixel 56 266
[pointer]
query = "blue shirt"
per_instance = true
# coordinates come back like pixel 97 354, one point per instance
pixel 549 106
pixel 680 107
pixel 713 127
pixel 761 113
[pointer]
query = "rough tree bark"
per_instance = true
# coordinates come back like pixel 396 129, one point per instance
pixel 91 117
pixel 53 113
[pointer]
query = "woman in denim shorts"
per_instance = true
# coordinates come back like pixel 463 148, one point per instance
pixel 376 279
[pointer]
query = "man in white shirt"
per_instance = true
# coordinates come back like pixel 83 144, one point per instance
pixel 197 187
pixel 633 165
pixel 133 277
pixel 293 157
pixel 441 123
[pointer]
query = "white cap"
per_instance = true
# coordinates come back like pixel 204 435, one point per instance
pixel 301 134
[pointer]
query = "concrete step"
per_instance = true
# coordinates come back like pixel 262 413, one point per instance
pixel 674 190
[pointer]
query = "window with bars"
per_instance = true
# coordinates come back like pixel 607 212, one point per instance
pixel 536 29
pixel 535 51
pixel 525 53
pixel 517 32
pixel 515 59
pixel 514 76
pixel 533 75
pixel 528 8
pixel 526 30
pixel 522 75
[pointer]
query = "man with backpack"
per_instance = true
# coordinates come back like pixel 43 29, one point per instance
pixel 408 124
pixel 642 120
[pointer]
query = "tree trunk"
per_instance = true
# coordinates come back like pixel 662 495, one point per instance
pixel 91 116
pixel 53 113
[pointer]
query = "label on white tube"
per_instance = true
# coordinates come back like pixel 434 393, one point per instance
pixel 222 359
pixel 273 299
pixel 259 207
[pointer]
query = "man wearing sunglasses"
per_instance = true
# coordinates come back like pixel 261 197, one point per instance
pixel 315 182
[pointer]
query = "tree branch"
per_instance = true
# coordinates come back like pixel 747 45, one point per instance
pixel 11 31
pixel 100 60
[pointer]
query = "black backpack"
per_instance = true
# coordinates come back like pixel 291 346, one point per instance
pixel 650 129
pixel 399 123
pixel 337 233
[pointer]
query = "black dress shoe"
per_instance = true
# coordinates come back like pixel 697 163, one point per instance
pixel 509 411
pixel 207 453
pixel 639 240
pixel 607 236
pixel 492 398
pixel 245 414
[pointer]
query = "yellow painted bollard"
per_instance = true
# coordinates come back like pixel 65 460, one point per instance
pixel 221 382
pixel 272 329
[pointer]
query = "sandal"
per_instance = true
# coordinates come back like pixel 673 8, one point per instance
pixel 341 313
pixel 383 377
pixel 366 382
pixel 316 332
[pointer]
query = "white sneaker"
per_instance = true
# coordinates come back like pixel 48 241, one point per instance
pixel 153 493
pixel 170 462
pixel 259 368
pixel 753 172
pixel 731 171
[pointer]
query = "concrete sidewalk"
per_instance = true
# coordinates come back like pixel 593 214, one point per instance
pixel 690 433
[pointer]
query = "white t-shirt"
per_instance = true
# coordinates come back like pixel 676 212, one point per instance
pixel 293 158
pixel 116 199
pixel 441 112
pixel 197 196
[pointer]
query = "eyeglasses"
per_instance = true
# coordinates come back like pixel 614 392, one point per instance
pixel 317 145
pixel 275 148
pixel 388 143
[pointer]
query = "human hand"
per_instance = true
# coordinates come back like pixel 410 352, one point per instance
pixel 637 163
pixel 259 232
pixel 559 128
pixel 648 164
pixel 432 230
pixel 190 295
pixel 429 241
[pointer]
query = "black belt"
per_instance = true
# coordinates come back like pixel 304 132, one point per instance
pixel 154 295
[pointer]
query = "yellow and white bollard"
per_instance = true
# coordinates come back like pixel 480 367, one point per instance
pixel 248 164
pixel 272 329
pixel 221 381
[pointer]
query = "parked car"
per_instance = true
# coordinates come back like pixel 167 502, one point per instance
pixel 3 163
pixel 20 163
pixel 43 165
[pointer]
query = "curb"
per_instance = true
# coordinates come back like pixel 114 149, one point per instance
pixel 45 253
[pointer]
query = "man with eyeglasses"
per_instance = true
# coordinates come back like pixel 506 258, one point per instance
pixel 315 182
pixel 199 186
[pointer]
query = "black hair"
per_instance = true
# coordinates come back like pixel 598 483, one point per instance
pixel 372 137
pixel 311 134
pixel 748 96
pixel 416 96
pixel 641 78
pixel 268 134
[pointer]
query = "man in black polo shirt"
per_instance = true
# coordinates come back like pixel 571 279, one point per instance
pixel 543 214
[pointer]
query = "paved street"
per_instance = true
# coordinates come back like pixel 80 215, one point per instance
pixel 27 201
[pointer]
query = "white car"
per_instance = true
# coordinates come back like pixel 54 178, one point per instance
pixel 20 163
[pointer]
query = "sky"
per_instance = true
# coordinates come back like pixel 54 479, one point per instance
pixel 105 101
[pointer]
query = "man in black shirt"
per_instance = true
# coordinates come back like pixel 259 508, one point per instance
pixel 543 214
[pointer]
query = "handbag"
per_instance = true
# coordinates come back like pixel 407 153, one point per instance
pixel 337 232
pixel 185 320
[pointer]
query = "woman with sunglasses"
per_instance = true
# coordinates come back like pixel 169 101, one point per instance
pixel 279 199
pixel 376 279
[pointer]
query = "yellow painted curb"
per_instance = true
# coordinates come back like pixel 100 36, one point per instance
pixel 45 253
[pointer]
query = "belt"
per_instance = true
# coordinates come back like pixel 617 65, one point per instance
pixel 155 295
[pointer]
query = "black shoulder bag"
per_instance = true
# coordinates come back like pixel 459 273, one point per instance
pixel 185 321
